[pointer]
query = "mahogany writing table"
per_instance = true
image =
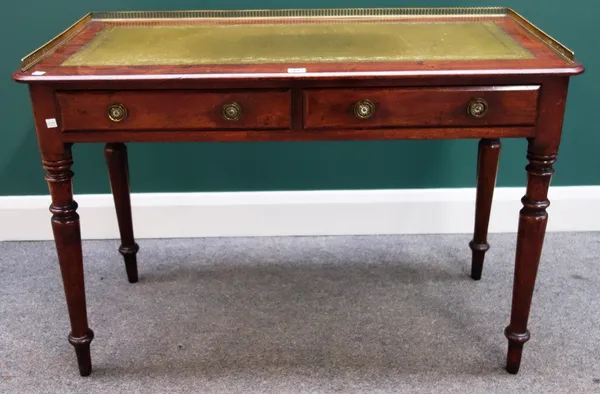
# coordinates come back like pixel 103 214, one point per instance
pixel 297 75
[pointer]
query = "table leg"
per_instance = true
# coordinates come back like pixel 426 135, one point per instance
pixel 487 168
pixel 541 153
pixel 65 225
pixel 118 170
pixel 532 228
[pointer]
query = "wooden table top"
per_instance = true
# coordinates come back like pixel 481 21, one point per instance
pixel 298 43
pixel 307 42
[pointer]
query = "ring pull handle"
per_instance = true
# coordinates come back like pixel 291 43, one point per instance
pixel 117 112
pixel 477 108
pixel 364 109
pixel 232 112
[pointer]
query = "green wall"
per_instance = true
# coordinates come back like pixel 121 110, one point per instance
pixel 292 166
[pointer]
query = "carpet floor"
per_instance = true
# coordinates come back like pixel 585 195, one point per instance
pixel 365 314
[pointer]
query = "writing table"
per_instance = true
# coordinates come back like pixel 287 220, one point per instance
pixel 299 75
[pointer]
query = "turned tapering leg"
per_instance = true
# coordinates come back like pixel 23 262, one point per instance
pixel 532 228
pixel 487 168
pixel 65 225
pixel 118 170
pixel 541 153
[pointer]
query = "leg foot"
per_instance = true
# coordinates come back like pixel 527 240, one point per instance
pixel 82 351
pixel 515 350
pixel 129 254
pixel 478 257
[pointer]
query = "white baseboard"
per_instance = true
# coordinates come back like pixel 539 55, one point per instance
pixel 343 212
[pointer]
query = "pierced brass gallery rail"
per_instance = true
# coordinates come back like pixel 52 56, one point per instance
pixel 294 16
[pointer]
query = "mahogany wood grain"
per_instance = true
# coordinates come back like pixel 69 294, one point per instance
pixel 57 161
pixel 487 168
pixel 179 110
pixel 424 107
pixel 118 171
pixel 542 154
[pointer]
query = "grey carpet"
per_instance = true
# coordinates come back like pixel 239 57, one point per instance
pixel 386 314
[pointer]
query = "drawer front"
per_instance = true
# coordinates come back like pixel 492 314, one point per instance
pixel 174 110
pixel 416 107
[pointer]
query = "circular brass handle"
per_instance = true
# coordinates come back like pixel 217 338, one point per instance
pixel 117 112
pixel 477 108
pixel 232 111
pixel 364 109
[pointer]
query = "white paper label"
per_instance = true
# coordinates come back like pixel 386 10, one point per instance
pixel 51 123
pixel 38 73
pixel 296 70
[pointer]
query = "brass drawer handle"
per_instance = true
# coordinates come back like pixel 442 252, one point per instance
pixel 117 112
pixel 232 111
pixel 364 109
pixel 477 108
